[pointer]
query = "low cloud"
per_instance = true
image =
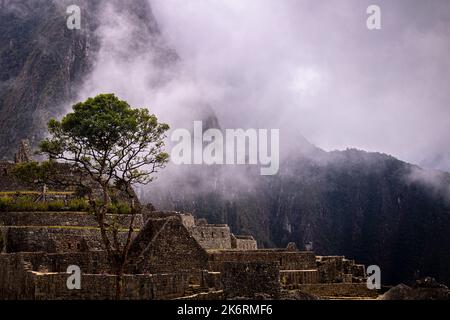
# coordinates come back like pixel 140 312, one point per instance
pixel 436 181
pixel 315 68
pixel 303 67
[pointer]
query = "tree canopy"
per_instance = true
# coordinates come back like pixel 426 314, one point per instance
pixel 110 140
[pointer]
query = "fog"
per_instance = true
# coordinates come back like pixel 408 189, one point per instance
pixel 306 67
pixel 317 67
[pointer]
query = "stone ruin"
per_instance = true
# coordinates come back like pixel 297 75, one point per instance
pixel 23 154
pixel 172 256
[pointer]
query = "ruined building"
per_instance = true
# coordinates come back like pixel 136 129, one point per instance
pixel 172 256
pixel 23 154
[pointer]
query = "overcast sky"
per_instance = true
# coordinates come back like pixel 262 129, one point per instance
pixel 307 65
pixel 315 65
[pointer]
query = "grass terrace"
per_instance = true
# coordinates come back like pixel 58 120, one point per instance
pixel 27 202
pixel 70 228
pixel 35 193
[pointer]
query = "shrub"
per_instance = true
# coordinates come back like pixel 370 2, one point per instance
pixel 57 205
pixel 5 203
pixel 112 208
pixel 27 204
pixel 78 205
pixel 119 208
pixel 123 208
pixel 21 203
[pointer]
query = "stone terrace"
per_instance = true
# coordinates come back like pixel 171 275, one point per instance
pixel 173 255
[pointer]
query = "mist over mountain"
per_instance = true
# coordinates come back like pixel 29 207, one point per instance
pixel 41 63
pixel 366 206
pixel 265 64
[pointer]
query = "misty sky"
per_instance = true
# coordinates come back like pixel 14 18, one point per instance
pixel 312 66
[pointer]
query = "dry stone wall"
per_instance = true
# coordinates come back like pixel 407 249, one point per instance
pixel 250 279
pixel 243 242
pixel 337 269
pixel 8 182
pixel 102 287
pixel 286 260
pixel 338 290
pixel 169 258
pixel 292 278
pixel 44 277
pixel 212 236
pixel 165 245
pixel 75 219
pixel 54 240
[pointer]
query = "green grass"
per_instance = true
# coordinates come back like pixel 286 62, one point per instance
pixel 12 202
pixel 78 205
pixel 22 203
pixel 36 193
pixel 91 228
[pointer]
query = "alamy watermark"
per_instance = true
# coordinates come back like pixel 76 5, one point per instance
pixel 74 280
pixel 373 277
pixel 234 147
pixel 74 17
pixel 374 20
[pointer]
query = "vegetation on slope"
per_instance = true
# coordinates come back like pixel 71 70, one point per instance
pixel 366 206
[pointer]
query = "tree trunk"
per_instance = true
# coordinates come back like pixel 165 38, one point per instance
pixel 126 249
pixel 44 192
pixel 113 254
pixel 119 282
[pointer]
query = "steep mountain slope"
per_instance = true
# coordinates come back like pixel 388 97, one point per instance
pixel 41 62
pixel 367 206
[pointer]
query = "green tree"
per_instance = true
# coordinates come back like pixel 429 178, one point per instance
pixel 112 144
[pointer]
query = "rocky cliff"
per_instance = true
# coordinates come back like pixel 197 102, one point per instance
pixel 367 206
pixel 42 63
